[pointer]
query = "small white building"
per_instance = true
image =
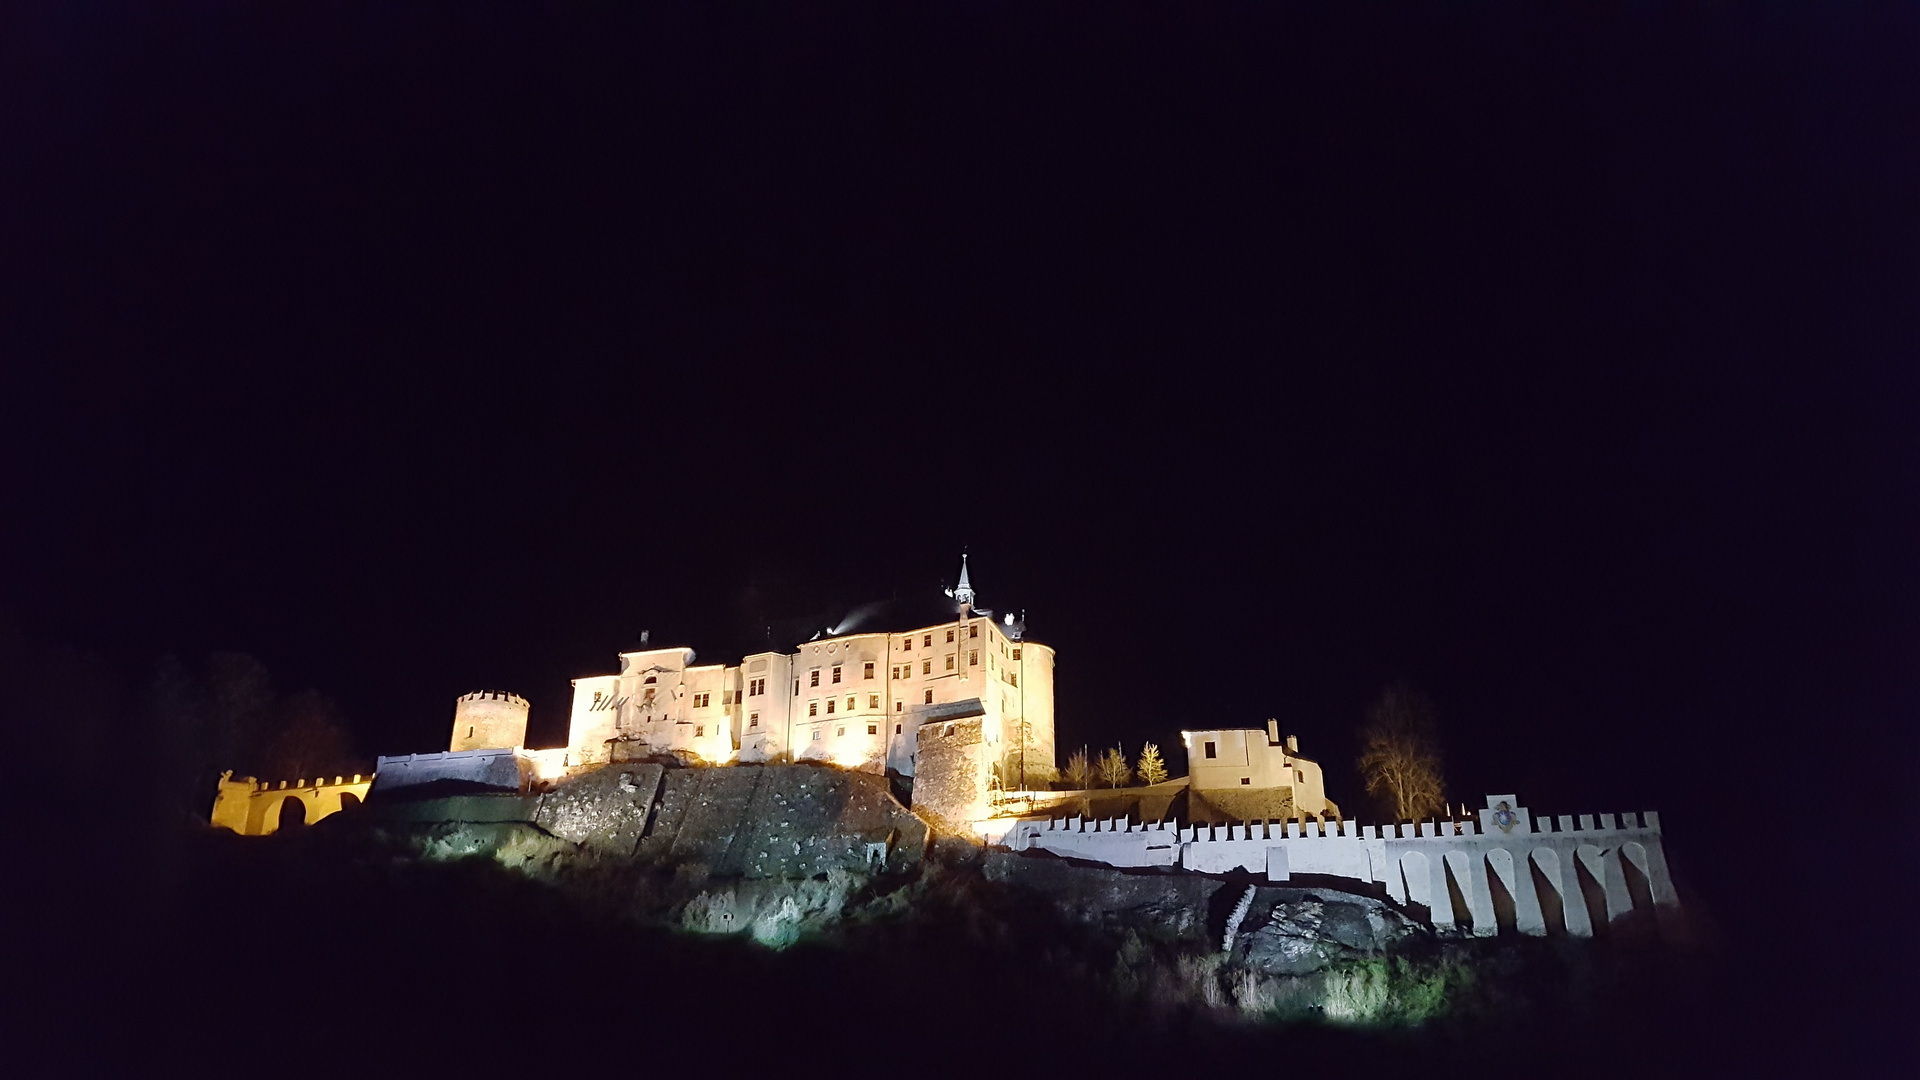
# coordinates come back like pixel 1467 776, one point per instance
pixel 1246 774
pixel 854 699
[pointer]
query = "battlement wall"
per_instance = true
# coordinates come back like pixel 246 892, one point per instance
pixel 253 807
pixel 1504 869
pixel 503 769
pixel 495 695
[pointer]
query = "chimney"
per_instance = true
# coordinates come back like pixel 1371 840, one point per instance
pixel 1273 733
pixel 1293 744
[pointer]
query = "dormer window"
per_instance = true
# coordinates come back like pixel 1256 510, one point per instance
pixel 649 681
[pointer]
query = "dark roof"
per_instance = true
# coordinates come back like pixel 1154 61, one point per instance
pixel 894 616
pixel 727 640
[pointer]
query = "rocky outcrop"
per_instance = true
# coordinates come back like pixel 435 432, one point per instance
pixel 794 821
pixel 1164 905
pixel 1305 931
pixel 605 810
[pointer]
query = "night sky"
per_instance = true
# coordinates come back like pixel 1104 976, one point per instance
pixel 1559 362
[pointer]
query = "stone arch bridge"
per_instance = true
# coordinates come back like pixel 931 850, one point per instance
pixel 258 807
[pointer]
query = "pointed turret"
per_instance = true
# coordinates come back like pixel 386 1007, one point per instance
pixel 963 592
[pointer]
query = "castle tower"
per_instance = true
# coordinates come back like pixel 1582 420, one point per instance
pixel 963 592
pixel 489 720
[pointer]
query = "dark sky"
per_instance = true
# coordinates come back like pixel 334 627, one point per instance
pixel 1558 359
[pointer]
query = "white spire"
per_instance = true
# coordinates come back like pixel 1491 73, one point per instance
pixel 962 592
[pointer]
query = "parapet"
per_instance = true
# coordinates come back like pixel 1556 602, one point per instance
pixel 495 695
pixel 306 784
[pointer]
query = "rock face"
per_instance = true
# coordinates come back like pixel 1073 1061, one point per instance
pixel 745 821
pixel 605 810
pixel 1307 930
pixel 1166 905
pixel 791 821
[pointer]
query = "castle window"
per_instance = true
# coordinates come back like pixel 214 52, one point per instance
pixel 836 674
pixel 926 667
pixel 973 631
pixel 926 641
pixel 648 681
pixel 840 733
pixel 816 734
pixel 908 643
pixel 873 729
pixel 1013 677
pixel 898 705
pixel 896 729
pixel 726 697
pixel 873 701
pixel 469 731
pixel 1246 781
pixel 949 637
pixel 949 661
pixel 894 671
pixel 1210 750
pixel 849 703
pixel 753 720
pixel 796 688
pixel 813 708
pixel 869 669
pixel 929 697
pixel 700 731
pixel 1016 652
pixel 830 703
pixel 816 678
pixel 973 657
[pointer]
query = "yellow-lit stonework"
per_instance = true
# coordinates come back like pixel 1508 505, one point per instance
pixel 258 807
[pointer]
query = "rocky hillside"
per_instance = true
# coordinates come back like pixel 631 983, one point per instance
pixel 781 855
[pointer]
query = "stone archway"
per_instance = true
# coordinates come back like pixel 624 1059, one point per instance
pixel 1590 885
pixel 1419 884
pixel 292 814
pixel 1500 887
pixel 1544 867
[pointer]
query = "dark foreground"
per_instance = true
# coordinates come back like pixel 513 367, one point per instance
pixel 319 951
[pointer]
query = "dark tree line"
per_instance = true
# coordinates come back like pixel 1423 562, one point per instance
pixel 226 714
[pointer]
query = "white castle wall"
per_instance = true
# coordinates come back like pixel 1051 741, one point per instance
pixel 1532 875
pixel 505 769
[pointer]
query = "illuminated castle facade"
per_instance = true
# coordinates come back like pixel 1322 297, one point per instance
pixel 854 699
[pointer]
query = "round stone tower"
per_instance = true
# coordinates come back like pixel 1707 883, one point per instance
pixel 489 720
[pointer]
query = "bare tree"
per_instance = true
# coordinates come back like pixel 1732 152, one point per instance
pixel 1401 755
pixel 1152 770
pixel 1114 768
pixel 1079 771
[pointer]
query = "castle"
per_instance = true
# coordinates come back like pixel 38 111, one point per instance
pixel 854 699
pixel 963 703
